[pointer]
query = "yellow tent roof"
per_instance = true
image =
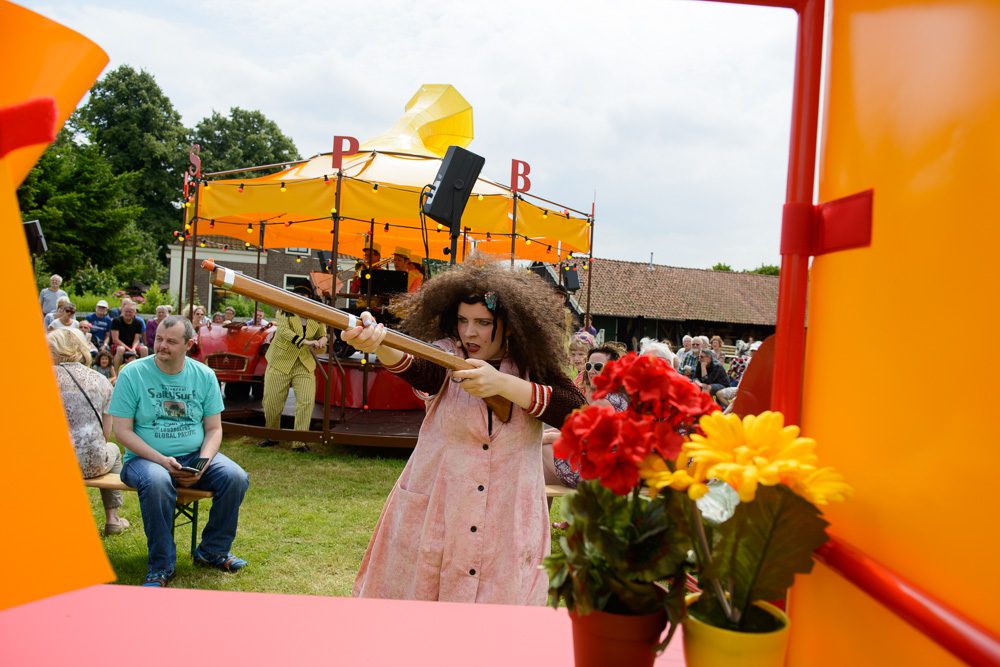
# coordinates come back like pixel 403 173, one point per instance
pixel 380 196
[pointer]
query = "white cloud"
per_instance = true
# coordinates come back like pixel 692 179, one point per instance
pixel 677 113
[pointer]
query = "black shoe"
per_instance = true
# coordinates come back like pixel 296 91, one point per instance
pixel 267 443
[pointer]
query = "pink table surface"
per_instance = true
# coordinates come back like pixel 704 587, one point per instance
pixel 105 625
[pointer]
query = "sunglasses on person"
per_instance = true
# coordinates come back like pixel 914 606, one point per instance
pixel 70 311
pixel 599 366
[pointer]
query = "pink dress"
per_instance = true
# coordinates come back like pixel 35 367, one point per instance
pixel 467 519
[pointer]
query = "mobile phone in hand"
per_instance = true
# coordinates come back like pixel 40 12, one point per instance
pixel 196 467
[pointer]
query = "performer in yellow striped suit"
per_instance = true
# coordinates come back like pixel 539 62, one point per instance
pixel 290 363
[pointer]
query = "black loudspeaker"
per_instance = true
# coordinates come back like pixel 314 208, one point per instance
pixel 571 279
pixel 452 187
pixel 36 240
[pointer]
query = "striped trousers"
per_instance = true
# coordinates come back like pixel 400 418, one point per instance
pixel 276 384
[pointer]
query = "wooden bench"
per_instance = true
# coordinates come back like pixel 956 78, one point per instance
pixel 556 490
pixel 186 508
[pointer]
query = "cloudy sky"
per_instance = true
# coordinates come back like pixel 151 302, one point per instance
pixel 675 112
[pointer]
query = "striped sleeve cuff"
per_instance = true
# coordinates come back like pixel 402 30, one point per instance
pixel 541 395
pixel 402 365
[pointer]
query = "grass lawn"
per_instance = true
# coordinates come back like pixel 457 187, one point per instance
pixel 304 525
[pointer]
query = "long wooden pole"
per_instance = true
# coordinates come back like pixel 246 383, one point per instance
pixel 257 289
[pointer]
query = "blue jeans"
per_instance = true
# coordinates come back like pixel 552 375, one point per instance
pixel 158 495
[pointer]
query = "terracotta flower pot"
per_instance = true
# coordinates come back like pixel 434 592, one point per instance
pixel 708 646
pixel 601 639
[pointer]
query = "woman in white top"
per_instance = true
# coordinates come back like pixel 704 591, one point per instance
pixel 64 318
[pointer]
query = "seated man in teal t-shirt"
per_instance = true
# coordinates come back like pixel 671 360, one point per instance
pixel 168 414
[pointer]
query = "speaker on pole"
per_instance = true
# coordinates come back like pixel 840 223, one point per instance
pixel 452 186
pixel 36 240
pixel 571 279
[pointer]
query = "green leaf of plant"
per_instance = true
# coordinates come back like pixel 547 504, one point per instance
pixel 765 544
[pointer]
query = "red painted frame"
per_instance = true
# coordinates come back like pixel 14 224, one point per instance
pixel 962 637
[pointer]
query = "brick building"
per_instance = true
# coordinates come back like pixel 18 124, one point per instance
pixel 281 267
pixel 636 299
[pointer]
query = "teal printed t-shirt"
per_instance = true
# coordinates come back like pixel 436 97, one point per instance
pixel 167 409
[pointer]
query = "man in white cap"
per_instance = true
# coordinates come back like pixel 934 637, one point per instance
pixel 100 324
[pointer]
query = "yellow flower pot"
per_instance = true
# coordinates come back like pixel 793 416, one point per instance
pixel 708 646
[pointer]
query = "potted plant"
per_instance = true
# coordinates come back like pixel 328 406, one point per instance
pixel 621 546
pixel 730 501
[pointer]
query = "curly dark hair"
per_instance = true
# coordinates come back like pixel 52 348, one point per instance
pixel 531 310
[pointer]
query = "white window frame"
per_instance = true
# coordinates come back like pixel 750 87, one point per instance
pixel 301 252
pixel 285 278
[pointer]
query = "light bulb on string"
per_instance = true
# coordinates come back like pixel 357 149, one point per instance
pixel 326 179
pixel 480 198
pixel 288 223
pixel 368 276
pixel 249 228
pixel 225 247
pixel 375 187
pixel 298 260
pixel 246 244
pixel 202 244
pixel 527 241
pixel 283 187
pixel 545 213
pixel 585 266
pixel 211 223
pixel 333 211
pixel 548 249
pixel 205 184
pixel 386 228
pixel 240 189
pixel 488 237
pixel 440 226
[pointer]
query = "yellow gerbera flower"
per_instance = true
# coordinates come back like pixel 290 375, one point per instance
pixel 760 449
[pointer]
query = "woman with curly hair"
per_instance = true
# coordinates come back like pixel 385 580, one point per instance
pixel 467 519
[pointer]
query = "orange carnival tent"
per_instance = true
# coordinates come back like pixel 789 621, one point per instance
pixel 376 196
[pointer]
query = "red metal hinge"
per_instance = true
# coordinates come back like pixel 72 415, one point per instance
pixel 818 229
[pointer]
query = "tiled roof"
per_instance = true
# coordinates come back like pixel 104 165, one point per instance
pixel 631 289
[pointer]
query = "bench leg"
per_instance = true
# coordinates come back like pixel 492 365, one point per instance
pixel 188 511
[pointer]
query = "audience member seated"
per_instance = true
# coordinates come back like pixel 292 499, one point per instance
pixel 218 318
pixel 726 395
pixel 258 318
pixel 86 395
pixel 100 325
pixel 710 374
pixel 228 314
pixel 126 334
pixel 167 409
pixel 653 348
pixel 65 318
pixel 691 359
pixel 47 320
pixel 149 336
pixel 104 364
pixel 715 343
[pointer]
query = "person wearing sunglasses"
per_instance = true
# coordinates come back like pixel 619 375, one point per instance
pixel 64 318
pixel 597 360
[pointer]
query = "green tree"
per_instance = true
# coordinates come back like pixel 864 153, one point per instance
pixel 243 139
pixel 722 267
pixel 766 270
pixel 81 204
pixel 138 130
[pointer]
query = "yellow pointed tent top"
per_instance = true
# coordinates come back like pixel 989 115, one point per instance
pixel 381 186
pixel 436 117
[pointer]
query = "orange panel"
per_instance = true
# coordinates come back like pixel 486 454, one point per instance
pixel 52 544
pixel 897 385
pixel 42 58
